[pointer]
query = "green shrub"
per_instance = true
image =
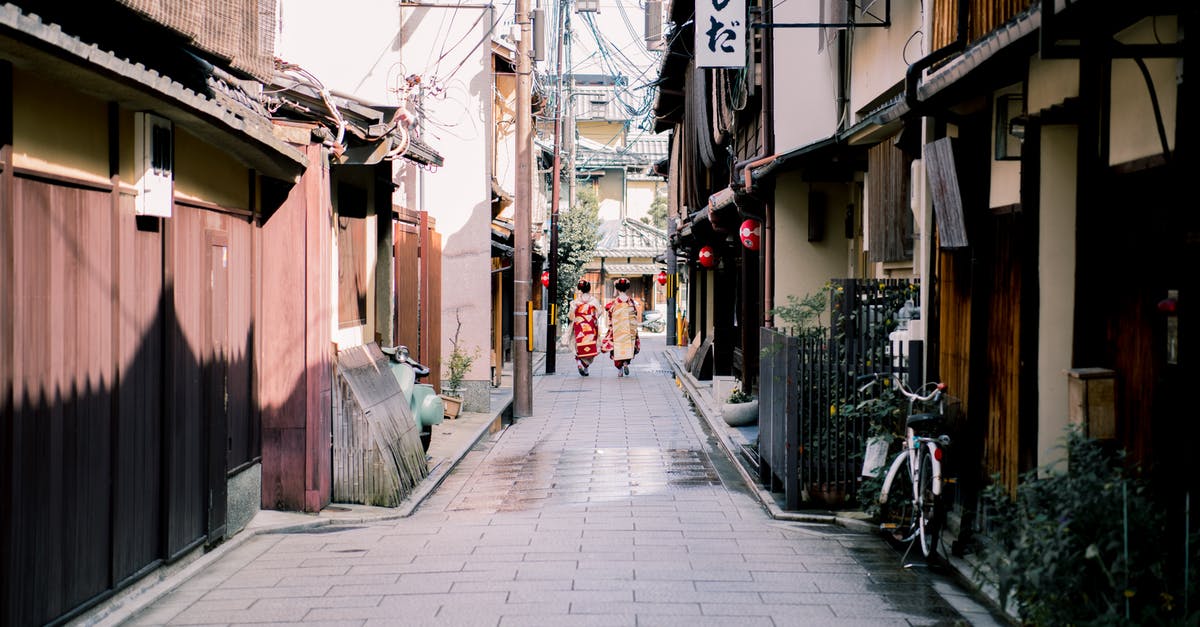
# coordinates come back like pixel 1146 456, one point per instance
pixel 1082 546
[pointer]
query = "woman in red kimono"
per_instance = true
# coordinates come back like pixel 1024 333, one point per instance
pixel 585 314
pixel 622 341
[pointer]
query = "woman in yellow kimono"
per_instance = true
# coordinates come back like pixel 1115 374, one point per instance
pixel 622 341
pixel 585 323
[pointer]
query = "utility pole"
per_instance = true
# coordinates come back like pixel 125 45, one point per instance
pixel 570 139
pixel 551 317
pixel 522 261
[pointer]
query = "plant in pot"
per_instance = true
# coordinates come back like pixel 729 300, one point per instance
pixel 740 409
pixel 457 368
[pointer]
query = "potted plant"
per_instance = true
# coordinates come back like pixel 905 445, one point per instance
pixel 456 369
pixel 740 409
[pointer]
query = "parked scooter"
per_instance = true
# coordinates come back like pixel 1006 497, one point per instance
pixel 426 405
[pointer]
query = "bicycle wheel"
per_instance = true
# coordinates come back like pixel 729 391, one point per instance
pixel 929 515
pixel 898 519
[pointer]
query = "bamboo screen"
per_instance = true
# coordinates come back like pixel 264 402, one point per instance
pixel 984 17
pixel 240 31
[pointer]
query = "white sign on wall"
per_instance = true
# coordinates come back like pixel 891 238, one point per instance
pixel 720 33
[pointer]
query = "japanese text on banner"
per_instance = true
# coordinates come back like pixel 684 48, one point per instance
pixel 720 33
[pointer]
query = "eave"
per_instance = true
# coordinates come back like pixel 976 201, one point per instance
pixel 45 49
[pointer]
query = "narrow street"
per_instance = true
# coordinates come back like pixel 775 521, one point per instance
pixel 611 506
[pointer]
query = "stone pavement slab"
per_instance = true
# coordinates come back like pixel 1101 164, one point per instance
pixel 611 505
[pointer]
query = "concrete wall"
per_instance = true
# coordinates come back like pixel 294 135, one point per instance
pixel 804 80
pixel 803 267
pixel 1056 284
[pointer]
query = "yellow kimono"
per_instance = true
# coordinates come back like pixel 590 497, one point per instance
pixel 622 341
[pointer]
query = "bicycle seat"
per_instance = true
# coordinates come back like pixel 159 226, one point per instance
pixel 919 421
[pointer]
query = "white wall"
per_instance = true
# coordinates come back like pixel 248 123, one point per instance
pixel 803 267
pixel 804 80
pixel 610 192
pixel 1056 284
pixel 1050 82
pixel 1132 123
pixel 358 52
pixel 640 195
pixel 880 56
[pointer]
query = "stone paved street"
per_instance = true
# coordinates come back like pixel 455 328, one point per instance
pixel 611 506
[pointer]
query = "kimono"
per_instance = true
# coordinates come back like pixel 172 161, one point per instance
pixel 622 341
pixel 585 323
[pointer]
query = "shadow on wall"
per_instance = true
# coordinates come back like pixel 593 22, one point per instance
pixel 128 396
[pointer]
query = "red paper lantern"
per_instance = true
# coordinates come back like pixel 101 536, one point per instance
pixel 706 257
pixel 750 234
pixel 661 277
pixel 545 278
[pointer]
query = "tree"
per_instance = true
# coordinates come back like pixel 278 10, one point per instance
pixel 657 217
pixel 578 234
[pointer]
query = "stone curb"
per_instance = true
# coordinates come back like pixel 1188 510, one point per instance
pixel 717 425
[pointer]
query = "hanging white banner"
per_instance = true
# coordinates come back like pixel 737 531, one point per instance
pixel 720 33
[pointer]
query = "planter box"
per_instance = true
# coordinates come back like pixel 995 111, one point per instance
pixel 452 404
pixel 740 414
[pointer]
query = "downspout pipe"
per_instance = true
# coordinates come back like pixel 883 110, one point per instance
pixel 767 127
pixel 913 75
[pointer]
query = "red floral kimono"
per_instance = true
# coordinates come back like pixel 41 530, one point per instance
pixel 585 314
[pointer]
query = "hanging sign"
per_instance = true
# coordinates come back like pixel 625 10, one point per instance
pixel 720 33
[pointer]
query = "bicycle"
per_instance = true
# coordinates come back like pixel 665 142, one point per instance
pixel 910 498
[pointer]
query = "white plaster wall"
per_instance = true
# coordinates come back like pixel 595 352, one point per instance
pixel 1050 82
pixel 359 52
pixel 1132 124
pixel 804 80
pixel 1056 284
pixel 610 192
pixel 640 194
pixel 803 267
pixel 880 56
pixel 506 131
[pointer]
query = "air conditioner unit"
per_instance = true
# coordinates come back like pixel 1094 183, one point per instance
pixel 154 164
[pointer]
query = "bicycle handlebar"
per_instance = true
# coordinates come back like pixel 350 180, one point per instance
pixel 938 389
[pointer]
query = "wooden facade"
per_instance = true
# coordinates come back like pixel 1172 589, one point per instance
pixel 418 268
pixel 295 392
pixel 130 374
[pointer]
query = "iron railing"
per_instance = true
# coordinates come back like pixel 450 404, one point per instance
pixel 810 447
